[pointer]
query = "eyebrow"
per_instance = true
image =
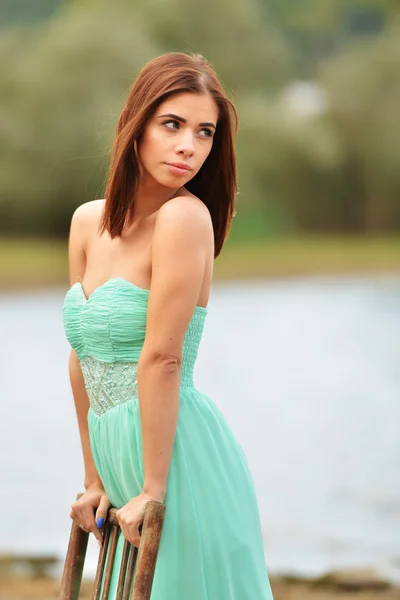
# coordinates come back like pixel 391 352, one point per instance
pixel 182 120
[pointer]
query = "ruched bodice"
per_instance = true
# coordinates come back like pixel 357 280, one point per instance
pixel 110 325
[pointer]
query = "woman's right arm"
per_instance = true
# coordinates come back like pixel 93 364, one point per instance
pixel 94 503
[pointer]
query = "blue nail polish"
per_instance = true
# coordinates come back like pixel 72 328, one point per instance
pixel 100 522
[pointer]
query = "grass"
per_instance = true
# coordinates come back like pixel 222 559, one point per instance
pixel 31 263
pixel 325 255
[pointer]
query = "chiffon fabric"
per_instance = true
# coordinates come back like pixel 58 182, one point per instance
pixel 211 546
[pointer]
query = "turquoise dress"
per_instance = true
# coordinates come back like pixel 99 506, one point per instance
pixel 211 546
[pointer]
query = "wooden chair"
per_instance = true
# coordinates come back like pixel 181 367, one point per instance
pixel 137 565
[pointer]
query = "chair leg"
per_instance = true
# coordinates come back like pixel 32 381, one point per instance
pixel 101 563
pixel 122 572
pixel 73 567
pixel 110 563
pixel 148 550
pixel 137 565
pixel 130 570
pixel 137 582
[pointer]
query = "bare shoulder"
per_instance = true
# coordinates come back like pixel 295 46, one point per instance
pixel 82 224
pixel 88 213
pixel 187 212
pixel 182 253
pixel 85 222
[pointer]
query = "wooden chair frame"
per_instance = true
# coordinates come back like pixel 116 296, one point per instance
pixel 137 565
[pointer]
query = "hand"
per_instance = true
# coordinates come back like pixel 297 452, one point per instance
pixel 131 516
pixel 89 508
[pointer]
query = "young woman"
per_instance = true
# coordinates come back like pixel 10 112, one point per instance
pixel 141 265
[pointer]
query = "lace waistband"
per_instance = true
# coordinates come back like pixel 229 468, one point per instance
pixel 111 384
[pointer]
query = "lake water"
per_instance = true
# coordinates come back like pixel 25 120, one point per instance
pixel 307 373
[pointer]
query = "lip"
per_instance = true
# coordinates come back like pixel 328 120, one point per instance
pixel 179 167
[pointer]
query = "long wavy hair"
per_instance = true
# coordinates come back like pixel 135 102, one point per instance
pixel 215 183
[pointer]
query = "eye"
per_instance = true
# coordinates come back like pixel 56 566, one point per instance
pixel 208 132
pixel 173 122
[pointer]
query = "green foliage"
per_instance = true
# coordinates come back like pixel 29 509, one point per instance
pixel 65 80
pixel 63 98
pixel 364 90
pixel 26 11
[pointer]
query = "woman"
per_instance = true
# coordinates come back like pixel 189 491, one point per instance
pixel 141 266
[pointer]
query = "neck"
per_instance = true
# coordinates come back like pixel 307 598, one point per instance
pixel 150 197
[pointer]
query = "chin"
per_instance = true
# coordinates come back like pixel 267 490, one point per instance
pixel 156 181
pixel 172 182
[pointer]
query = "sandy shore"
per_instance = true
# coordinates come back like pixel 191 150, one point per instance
pixel 284 589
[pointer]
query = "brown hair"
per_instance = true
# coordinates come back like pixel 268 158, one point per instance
pixel 215 183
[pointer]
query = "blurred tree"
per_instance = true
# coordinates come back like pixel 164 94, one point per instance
pixel 248 52
pixel 317 29
pixel 26 11
pixel 363 85
pixel 295 161
pixel 64 97
pixel 66 92
pixel 337 170
pixel 332 167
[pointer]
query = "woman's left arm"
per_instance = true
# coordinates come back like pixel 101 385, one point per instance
pixel 182 241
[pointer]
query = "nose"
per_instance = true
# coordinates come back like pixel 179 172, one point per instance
pixel 185 145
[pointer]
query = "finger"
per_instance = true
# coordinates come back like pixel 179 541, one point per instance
pixel 76 515
pixel 73 512
pixel 136 542
pixel 78 510
pixel 133 534
pixel 85 515
pixel 101 512
pixel 125 526
pixel 135 537
pixel 130 536
pixel 89 522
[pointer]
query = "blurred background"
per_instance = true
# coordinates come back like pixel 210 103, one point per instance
pixel 300 350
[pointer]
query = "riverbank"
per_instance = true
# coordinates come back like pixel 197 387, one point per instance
pixel 283 589
pixel 26 263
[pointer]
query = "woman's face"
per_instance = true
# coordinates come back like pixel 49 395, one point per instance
pixel 177 139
